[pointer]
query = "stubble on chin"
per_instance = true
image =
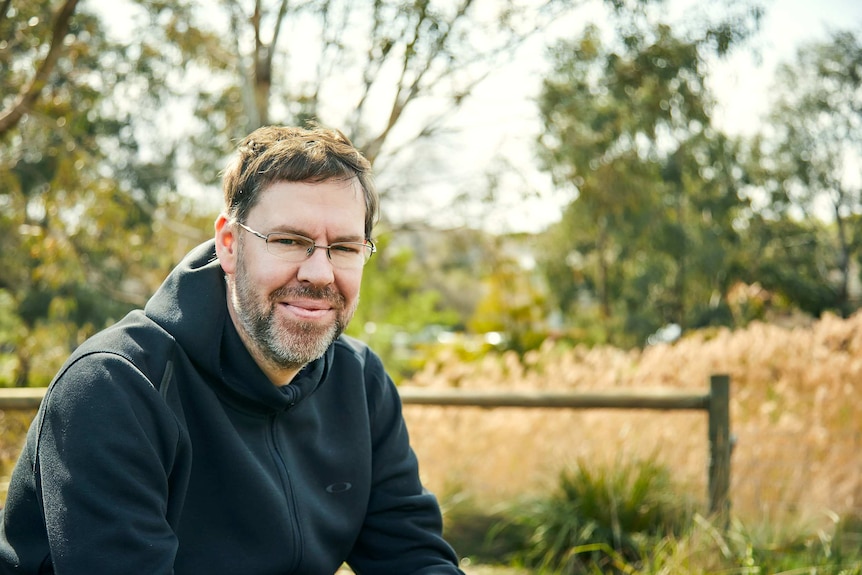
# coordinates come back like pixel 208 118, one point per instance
pixel 279 341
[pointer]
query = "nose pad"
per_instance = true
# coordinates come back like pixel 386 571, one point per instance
pixel 317 268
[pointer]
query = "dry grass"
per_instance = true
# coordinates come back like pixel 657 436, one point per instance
pixel 794 413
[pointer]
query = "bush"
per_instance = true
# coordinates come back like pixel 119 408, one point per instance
pixel 579 529
pixel 601 519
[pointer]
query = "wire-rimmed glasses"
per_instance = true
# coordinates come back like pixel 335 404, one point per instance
pixel 295 248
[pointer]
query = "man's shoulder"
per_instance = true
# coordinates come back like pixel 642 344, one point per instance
pixel 134 333
pixel 135 339
pixel 358 349
pixel 348 349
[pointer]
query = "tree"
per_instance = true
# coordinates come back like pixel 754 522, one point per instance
pixel 627 129
pixel 87 228
pixel 512 300
pixel 96 142
pixel 30 91
pixel 389 72
pixel 124 128
pixel 812 152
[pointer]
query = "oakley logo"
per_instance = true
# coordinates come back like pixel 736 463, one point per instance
pixel 339 487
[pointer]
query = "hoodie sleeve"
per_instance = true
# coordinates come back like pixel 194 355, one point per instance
pixel 105 449
pixel 402 532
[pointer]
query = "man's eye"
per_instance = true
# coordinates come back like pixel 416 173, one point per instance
pixel 287 241
pixel 346 248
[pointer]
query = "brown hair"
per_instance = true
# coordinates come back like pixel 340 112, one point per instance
pixel 281 153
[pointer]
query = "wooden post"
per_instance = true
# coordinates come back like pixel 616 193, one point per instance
pixel 719 445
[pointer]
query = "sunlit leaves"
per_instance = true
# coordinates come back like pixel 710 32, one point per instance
pixel 86 218
pixel 654 190
pixel 810 158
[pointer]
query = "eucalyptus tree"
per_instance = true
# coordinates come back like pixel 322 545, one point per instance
pixel 29 90
pixel 110 109
pixel 811 157
pixel 627 128
pixel 86 229
pixel 390 73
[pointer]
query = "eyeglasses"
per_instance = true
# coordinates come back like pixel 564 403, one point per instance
pixel 296 248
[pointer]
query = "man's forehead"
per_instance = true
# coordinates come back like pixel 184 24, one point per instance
pixel 334 199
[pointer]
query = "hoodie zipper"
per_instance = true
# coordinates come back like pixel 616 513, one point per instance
pixel 289 495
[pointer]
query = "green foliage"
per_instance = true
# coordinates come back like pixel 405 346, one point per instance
pixel 789 259
pixel 475 531
pixel 808 160
pixel 396 305
pixel 600 517
pixel 88 226
pixel 669 219
pixel 512 302
pixel 12 333
pixel 448 294
pixel 656 191
pixel 643 529
pixel 791 548
pixel 99 181
pixel 91 217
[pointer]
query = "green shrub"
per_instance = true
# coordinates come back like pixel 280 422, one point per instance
pixel 600 520
pixel 656 534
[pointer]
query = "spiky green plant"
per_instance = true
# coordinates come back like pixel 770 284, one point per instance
pixel 600 519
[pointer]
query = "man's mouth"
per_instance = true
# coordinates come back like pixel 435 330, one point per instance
pixel 308 309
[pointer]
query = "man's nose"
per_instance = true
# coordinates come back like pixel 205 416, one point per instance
pixel 317 268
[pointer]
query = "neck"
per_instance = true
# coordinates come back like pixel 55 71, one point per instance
pixel 279 375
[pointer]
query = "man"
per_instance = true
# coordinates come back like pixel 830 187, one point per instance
pixel 229 427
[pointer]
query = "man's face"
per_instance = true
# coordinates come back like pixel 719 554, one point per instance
pixel 289 313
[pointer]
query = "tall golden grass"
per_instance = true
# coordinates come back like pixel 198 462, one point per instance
pixel 795 417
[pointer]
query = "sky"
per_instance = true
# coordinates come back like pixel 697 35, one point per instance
pixel 502 117
pixel 742 85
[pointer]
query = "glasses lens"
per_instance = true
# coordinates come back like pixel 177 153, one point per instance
pixel 293 248
pixel 349 255
pixel 289 247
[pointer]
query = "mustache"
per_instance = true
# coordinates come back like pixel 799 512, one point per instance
pixel 325 293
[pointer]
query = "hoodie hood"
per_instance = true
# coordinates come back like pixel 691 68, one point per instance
pixel 191 305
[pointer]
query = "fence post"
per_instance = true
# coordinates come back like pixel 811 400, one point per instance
pixel 719 445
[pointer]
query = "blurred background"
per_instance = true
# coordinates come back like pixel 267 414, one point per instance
pixel 575 195
pixel 614 172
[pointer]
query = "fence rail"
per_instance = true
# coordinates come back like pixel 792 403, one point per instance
pixel 618 399
pixel 21 397
pixel 716 402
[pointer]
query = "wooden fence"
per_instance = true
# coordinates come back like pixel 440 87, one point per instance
pixel 716 402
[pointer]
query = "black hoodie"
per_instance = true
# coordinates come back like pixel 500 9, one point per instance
pixel 161 447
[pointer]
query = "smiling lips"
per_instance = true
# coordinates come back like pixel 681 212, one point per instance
pixel 308 309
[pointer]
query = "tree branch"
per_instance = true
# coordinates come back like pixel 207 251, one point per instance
pixel 425 76
pixel 30 93
pixel 4 8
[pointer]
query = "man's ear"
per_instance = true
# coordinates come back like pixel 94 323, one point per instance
pixel 226 243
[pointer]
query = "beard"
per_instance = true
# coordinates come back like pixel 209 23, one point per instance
pixel 286 344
